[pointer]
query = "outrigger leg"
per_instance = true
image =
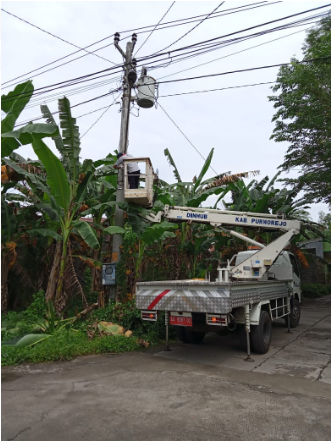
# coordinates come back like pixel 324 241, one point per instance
pixel 247 328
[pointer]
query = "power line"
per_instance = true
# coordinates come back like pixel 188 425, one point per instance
pixel 83 78
pixel 236 32
pixel 171 59
pixel 100 116
pixel 55 36
pixel 198 17
pixel 185 136
pixel 93 111
pixel 234 53
pixel 106 70
pixel 187 47
pixel 194 27
pixel 215 15
pixel 75 105
pixel 155 27
pixel 226 73
pixel 242 70
pixel 214 90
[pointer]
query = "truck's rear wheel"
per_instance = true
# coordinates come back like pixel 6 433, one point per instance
pixel 295 313
pixel 261 334
pixel 181 335
pixel 194 337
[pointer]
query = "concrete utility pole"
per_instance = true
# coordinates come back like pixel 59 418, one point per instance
pixel 128 81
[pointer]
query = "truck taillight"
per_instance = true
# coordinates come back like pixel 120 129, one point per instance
pixel 216 319
pixel 149 315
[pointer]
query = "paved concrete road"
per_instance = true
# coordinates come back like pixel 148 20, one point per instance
pixel 191 393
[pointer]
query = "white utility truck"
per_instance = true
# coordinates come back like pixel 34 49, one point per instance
pixel 255 288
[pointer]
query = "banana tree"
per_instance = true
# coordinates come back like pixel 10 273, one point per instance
pixel 61 194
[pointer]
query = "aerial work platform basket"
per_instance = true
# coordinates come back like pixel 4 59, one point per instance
pixel 143 195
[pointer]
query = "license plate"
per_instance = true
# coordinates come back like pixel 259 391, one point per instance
pixel 181 321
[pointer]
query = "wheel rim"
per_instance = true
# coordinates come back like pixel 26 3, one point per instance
pixel 295 313
pixel 266 333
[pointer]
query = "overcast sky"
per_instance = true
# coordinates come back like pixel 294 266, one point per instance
pixel 236 122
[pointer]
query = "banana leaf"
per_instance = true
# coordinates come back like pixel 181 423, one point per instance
pixel 86 233
pixel 155 232
pixel 204 169
pixel 27 134
pixel 82 188
pixel 46 232
pixel 13 104
pixel 114 230
pixel 50 120
pixel 172 162
pixel 30 340
pixel 70 135
pixel 56 176
pixel 53 214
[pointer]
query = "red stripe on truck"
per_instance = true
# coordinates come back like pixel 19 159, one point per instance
pixel 158 298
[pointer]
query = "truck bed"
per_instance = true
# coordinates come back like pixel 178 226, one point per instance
pixel 204 296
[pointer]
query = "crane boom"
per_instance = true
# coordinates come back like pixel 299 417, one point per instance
pixel 252 268
pixel 227 218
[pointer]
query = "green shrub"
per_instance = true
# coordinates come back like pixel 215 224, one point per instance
pixel 315 290
pixel 72 341
pixel 65 345
pixel 38 307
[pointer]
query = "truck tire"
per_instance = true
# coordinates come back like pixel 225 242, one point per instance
pixel 295 313
pixel 261 334
pixel 194 337
pixel 181 335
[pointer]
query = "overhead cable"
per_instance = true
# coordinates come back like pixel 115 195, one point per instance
pixel 55 36
pixel 236 32
pixel 234 53
pixel 73 106
pixel 215 15
pixel 194 27
pixel 185 135
pixel 103 113
pixel 155 27
pixel 215 90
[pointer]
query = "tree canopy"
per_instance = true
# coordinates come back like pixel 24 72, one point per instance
pixel 303 118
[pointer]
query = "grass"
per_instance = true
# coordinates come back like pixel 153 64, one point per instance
pixel 66 345
pixel 73 341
